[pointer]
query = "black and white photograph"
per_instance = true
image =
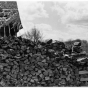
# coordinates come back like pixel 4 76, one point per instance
pixel 44 43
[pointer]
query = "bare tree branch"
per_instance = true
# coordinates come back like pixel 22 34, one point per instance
pixel 34 35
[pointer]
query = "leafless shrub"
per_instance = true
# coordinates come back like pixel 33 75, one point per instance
pixel 35 35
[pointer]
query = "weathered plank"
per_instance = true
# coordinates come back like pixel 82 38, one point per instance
pixel 83 72
pixel 84 79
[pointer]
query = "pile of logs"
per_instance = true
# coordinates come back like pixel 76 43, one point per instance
pixel 22 64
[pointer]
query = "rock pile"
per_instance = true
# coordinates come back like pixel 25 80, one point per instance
pixel 24 64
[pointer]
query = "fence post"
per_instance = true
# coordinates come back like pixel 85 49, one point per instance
pixel 9 31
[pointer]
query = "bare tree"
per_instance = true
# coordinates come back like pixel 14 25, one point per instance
pixel 34 35
pixel 27 35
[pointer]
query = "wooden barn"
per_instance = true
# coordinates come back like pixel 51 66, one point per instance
pixel 10 22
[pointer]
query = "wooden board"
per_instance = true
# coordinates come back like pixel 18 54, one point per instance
pixel 83 73
pixel 84 79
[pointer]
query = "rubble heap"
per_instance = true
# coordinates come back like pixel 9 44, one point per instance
pixel 23 64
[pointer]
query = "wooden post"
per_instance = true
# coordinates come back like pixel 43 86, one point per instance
pixel 17 26
pixel 14 24
pixel 9 31
pixel 14 29
pixel 4 32
pixel 17 29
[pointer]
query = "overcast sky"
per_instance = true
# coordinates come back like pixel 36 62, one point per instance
pixel 55 19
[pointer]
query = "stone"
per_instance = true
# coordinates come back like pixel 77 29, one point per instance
pixel 32 81
pixel 45 73
pixel 24 77
pixel 44 60
pixel 8 76
pixel 47 78
pixel 41 75
pixel 40 64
